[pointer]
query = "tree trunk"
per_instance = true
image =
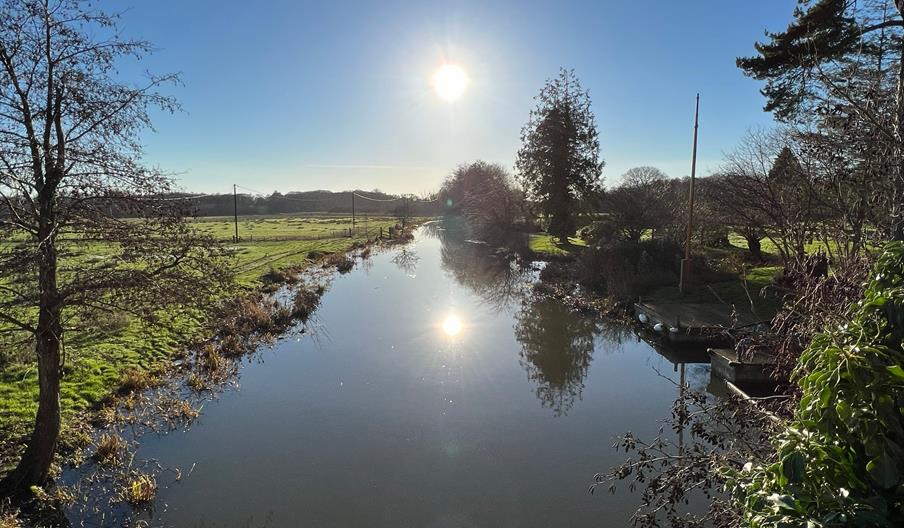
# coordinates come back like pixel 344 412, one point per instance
pixel 34 467
pixel 897 228
pixel 754 246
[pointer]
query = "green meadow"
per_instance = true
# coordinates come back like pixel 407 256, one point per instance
pixel 97 362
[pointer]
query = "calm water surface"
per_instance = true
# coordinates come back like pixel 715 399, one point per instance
pixel 431 393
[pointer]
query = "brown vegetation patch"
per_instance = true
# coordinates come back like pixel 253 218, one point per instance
pixel 110 448
pixel 306 301
pixel 134 380
pixel 340 261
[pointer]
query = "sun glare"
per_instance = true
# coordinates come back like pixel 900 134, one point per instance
pixel 450 82
pixel 452 325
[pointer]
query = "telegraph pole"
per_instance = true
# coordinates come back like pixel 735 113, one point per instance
pixel 235 211
pixel 686 262
pixel 353 209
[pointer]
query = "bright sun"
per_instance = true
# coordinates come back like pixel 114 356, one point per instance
pixel 450 81
pixel 452 325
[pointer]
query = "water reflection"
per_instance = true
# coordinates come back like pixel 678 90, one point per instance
pixel 498 280
pixel 406 259
pixel 557 344
pixel 451 325
pixel 556 350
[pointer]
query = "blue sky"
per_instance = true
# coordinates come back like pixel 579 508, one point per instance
pixel 291 95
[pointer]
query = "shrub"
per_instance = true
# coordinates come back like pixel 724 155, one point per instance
pixel 345 265
pixel 282 317
pixel 112 323
pixel 840 461
pixel 554 272
pixel 184 411
pixel 196 382
pixel 627 269
pixel 813 302
pixel 599 232
pixel 246 315
pixel 232 345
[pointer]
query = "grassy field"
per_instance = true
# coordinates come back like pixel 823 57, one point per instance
pixel 279 227
pixel 283 242
pixel 546 245
pixel 769 246
pixel 96 363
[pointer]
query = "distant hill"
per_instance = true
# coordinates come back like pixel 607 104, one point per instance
pixel 320 201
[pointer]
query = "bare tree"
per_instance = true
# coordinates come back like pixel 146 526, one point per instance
pixel 774 180
pixel 492 204
pixel 403 211
pixel 71 181
pixel 640 203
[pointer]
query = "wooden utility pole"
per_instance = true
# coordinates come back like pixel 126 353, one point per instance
pixel 353 209
pixel 686 262
pixel 235 211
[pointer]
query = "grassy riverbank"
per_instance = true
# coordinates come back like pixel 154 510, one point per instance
pixel 100 362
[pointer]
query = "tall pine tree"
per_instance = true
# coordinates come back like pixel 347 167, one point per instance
pixel 838 63
pixel 559 162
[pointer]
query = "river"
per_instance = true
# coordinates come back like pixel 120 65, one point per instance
pixel 430 391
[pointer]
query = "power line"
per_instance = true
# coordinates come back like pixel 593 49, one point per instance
pixel 189 197
pixel 377 199
pixel 395 199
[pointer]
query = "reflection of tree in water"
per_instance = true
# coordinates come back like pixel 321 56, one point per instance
pixel 556 350
pixel 406 260
pixel 557 344
pixel 498 280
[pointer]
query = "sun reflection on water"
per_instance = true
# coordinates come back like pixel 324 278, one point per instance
pixel 452 325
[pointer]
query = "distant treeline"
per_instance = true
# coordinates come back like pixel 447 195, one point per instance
pixel 365 202
pixel 122 205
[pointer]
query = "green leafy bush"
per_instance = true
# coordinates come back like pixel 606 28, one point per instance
pixel 840 461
